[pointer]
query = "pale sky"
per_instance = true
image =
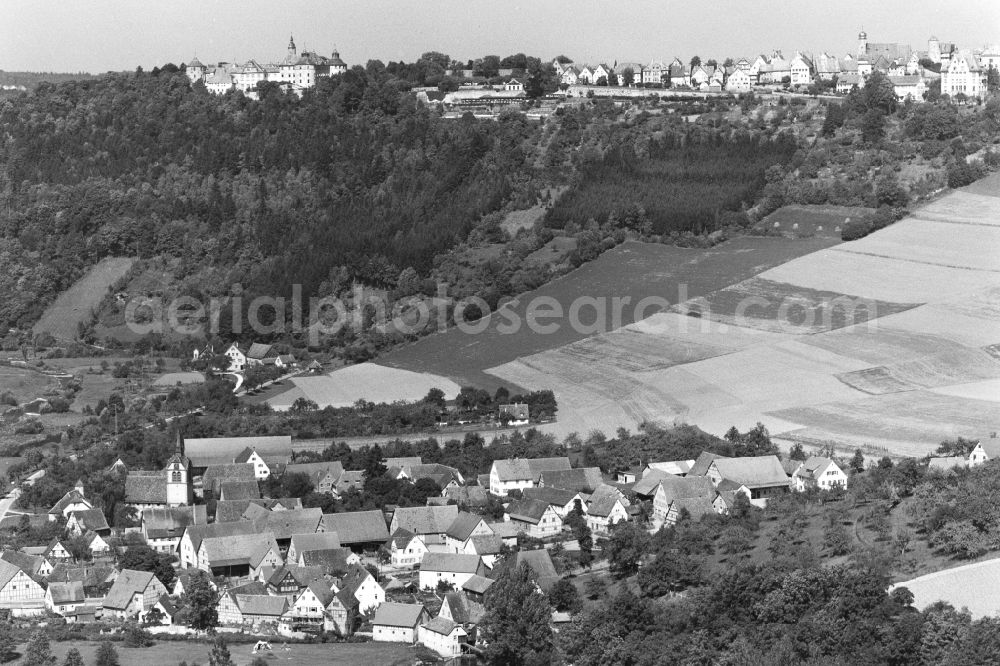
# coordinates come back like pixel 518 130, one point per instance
pixel 101 35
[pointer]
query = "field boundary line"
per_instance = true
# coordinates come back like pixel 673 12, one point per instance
pixel 840 248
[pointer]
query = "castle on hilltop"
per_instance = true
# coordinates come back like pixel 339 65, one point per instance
pixel 294 73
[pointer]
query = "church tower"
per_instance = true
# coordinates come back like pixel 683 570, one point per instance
pixel 291 48
pixel 178 471
pixel 862 43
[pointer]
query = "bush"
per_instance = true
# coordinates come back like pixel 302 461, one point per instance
pixel 962 173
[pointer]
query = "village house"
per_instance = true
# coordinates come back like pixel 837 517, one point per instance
pixel 459 608
pixel 443 636
pixel 452 568
pixel 674 467
pixel 183 582
pixel 405 549
pixel 341 613
pixel 801 70
pixel 562 501
pixel 663 488
pixel 397 623
pixel 289 579
pixel 430 523
pixel 487 547
pixel 910 86
pixel 521 473
pixel 515 414
pixel 36 566
pixel 163 610
pixel 358 530
pixel 64 598
pixel 984 451
pixel 88 520
pixel 71 502
pixel 309 608
pixel 475 588
pixel 443 475
pixel 241 489
pixel 465 526
pixel 163 527
pixel 578 479
pixel 739 81
pixel 323 475
pixel 606 507
pixel 96 544
pixel 19 593
pixel 133 592
pixel 360 583
pixel 543 571
pixel 696 507
pixel 819 473
pixel 249 456
pixel 467 497
pixel 762 476
pixel 190 543
pixel 964 75
pixel 254 611
pixel 301 543
pixel 57 551
pixel 239 556
pixel 534 517
pixel 274 450
pixel 947 464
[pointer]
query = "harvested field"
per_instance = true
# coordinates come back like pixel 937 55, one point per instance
pixel 972 586
pixel 968 246
pixel 366 381
pixel 786 308
pixel 806 221
pixel 984 390
pixel 635 271
pixel 911 423
pixel 75 304
pixel 881 278
pixel 954 365
pixel 881 345
pixel 175 378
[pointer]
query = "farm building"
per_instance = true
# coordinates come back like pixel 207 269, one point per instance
pixel 443 636
pixel 453 568
pixel 358 530
pixel 762 476
pixel 133 592
pixel 521 473
pixel 534 517
pixel 397 623
pixel 820 473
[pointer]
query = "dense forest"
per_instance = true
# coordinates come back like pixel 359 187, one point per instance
pixel 268 193
pixel 694 181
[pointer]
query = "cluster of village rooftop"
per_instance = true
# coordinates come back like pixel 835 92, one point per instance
pixel 963 71
pixel 281 568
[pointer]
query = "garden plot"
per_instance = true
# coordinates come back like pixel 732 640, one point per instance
pixel 366 381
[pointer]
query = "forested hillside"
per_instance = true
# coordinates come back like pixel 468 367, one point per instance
pixel 275 192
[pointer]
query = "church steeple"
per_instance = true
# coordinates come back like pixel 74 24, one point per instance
pixel 179 445
pixel 291 46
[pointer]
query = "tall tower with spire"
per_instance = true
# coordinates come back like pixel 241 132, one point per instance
pixel 862 43
pixel 291 47
pixel 178 471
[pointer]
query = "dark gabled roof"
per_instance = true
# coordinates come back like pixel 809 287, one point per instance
pixel 259 350
pixel 301 575
pixel 67 499
pixel 646 486
pixel 520 469
pixel 462 609
pixel 198 533
pixel 443 626
pixel 440 474
pixel 404 461
pixel 166 523
pixel 696 506
pixel 285 524
pixel 689 486
pixel 527 510
pixel 355 576
pixel 392 614
pixel 92 519
pixel 215 474
pixel 452 562
pixel 477 584
pixel 701 465
pixel 400 538
pixel 581 479
pixel 333 561
pixel 540 563
pixel 486 544
pixel 239 549
pixel 603 501
pixel 129 582
pixel 231 490
pixel 7 572
pixel 426 519
pixel 261 604
pixel 467 495
pixel 357 526
pixel 143 487
pixel 317 471
pixel 462 527
pixel 315 541
pixel 67 593
pixel 29 564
